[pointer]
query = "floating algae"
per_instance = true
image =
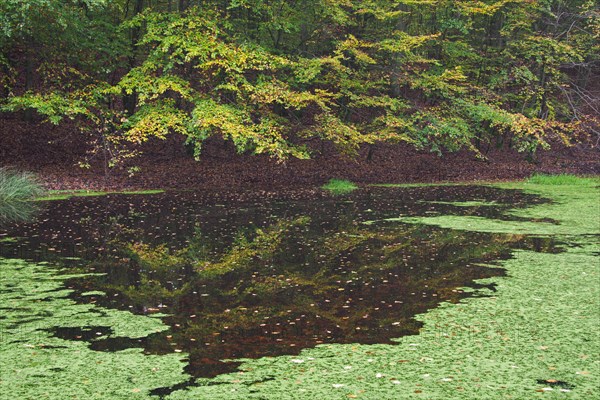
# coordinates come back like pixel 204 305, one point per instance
pixel 38 365
pixel 503 342
pixel 538 328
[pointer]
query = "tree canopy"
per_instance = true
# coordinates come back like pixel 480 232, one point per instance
pixel 272 75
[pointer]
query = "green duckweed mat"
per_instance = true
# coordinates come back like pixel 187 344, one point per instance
pixel 535 336
pixel 37 365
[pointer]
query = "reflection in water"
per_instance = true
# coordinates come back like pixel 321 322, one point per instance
pixel 252 276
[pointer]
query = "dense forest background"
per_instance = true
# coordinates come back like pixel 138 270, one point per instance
pixel 287 78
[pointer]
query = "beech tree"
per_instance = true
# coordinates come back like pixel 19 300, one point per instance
pixel 272 76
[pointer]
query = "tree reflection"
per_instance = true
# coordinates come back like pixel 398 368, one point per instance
pixel 292 285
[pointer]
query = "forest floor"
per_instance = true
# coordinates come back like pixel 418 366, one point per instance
pixel 54 156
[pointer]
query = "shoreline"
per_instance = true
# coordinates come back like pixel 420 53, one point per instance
pixel 391 165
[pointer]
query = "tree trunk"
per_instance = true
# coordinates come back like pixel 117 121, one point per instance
pixel 183 5
pixel 29 71
pixel 543 113
pixel 130 100
pixel 371 152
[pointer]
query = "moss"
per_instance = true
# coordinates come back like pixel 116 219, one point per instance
pixel 37 364
pixel 539 326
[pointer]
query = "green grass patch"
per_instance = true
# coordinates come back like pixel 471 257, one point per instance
pixel 149 191
pixel 409 185
pixel 563 179
pixel 339 186
pixel 473 203
pixel 64 195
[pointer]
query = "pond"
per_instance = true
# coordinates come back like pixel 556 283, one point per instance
pixel 251 275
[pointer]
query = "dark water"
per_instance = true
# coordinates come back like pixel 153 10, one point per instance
pixel 257 274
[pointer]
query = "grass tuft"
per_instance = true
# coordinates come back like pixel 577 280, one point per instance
pixel 18 189
pixel 339 186
pixel 563 179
